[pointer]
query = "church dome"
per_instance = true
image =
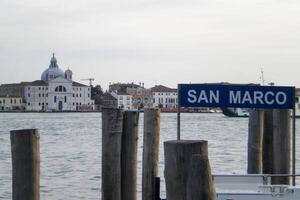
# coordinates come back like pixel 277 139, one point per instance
pixel 53 71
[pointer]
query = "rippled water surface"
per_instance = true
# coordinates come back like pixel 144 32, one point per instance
pixel 71 149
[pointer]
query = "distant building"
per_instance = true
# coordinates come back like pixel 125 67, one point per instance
pixel 13 90
pixel 11 103
pixel 11 97
pixel 56 91
pixel 164 97
pixel 124 100
pixel 140 97
pixel 122 87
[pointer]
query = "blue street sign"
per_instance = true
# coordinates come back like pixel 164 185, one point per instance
pixel 236 96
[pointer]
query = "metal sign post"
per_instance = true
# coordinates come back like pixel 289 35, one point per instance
pixel 294 141
pixel 178 111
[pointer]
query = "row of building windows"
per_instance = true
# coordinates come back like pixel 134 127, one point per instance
pixel 166 93
pixel 127 102
pixel 39 104
pixel 80 104
pixel 167 100
pixel 40 95
pixel 12 101
pixel 59 88
pixel 79 95
pixel 55 99
pixel 121 98
pixel 46 95
pixel 40 88
pixel 79 89
pixel 43 104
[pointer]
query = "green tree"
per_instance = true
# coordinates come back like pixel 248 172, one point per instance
pixel 97 94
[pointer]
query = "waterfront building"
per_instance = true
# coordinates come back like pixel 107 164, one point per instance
pixel 122 87
pixel 11 97
pixel 56 91
pixel 12 89
pixel 124 100
pixel 140 96
pixel 164 97
pixel 11 103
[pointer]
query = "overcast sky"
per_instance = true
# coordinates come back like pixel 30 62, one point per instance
pixel 152 41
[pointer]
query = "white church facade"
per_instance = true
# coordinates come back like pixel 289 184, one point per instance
pixel 56 91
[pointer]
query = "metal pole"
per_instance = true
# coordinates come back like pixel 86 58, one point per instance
pixel 294 146
pixel 178 112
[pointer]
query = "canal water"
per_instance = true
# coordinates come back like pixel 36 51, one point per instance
pixel 70 146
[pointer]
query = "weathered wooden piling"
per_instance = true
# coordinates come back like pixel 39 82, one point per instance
pixel 200 185
pixel 150 152
pixel 25 150
pixel 282 145
pixel 255 140
pixel 112 125
pixel 268 142
pixel 129 155
pixel 178 155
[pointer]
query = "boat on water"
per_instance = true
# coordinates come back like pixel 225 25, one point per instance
pixel 244 112
pixel 235 112
pixel 253 187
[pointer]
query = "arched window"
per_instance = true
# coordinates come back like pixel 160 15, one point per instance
pixel 60 89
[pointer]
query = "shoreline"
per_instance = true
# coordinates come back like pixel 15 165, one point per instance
pixel 200 112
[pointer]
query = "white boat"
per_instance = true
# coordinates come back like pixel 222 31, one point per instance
pixel 236 112
pixel 253 187
pixel 243 112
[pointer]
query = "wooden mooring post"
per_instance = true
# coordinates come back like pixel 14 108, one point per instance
pixel 150 152
pixel 129 155
pixel 282 145
pixel 178 154
pixel 267 161
pixel 25 150
pixel 112 127
pixel 255 141
pixel 200 185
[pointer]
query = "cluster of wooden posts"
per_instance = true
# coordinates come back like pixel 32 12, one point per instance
pixel 269 144
pixel 119 153
pixel 187 170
